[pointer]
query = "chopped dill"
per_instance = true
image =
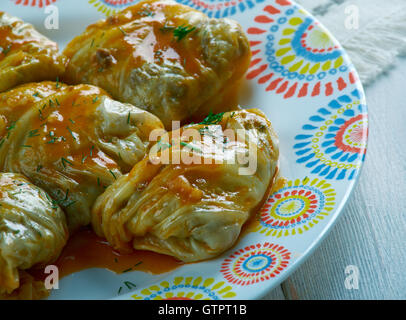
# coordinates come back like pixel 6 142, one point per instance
pixel 166 28
pixel 112 173
pixel 71 133
pixel 7 50
pixel 129 284
pixel 122 31
pixel 65 161
pixel 33 133
pixel 128 117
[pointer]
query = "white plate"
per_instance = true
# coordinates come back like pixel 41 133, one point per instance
pixel 303 80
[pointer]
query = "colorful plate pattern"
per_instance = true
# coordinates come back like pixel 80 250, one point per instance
pixel 303 80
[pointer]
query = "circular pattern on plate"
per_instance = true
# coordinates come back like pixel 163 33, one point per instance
pixel 35 3
pixel 296 208
pixel 298 54
pixel 221 8
pixel 255 263
pixel 213 8
pixel 333 143
pixel 109 7
pixel 187 288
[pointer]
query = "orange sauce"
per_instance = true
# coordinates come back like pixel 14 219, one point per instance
pixel 86 250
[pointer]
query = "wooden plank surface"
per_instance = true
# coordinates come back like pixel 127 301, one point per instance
pixel 371 232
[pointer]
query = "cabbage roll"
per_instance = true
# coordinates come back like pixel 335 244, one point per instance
pixel 33 231
pixel 72 141
pixel 192 209
pixel 161 56
pixel 25 54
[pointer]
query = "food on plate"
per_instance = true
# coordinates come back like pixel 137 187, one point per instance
pixel 25 54
pixel 192 209
pixel 72 141
pixel 80 155
pixel 33 231
pixel 161 56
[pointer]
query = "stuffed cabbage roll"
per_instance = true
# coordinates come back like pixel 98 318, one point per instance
pixel 72 141
pixel 33 231
pixel 196 189
pixel 25 54
pixel 161 56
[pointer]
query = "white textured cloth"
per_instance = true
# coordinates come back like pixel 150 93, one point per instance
pixel 379 38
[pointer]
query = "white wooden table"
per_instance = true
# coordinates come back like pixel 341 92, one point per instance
pixel 371 232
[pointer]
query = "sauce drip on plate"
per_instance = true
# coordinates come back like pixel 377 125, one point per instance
pixel 86 250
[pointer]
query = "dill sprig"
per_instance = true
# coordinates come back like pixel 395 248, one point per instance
pixel 182 31
pixel 213 118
